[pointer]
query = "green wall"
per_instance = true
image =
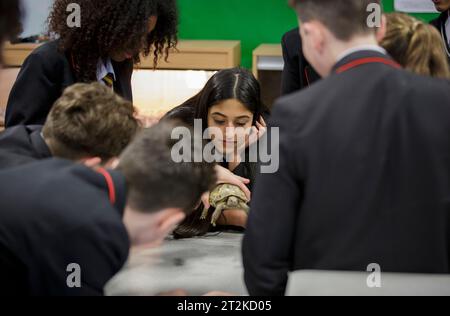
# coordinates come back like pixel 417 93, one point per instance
pixel 251 21
pixel 389 7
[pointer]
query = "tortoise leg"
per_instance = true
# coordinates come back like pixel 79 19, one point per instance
pixel 204 213
pixel 217 213
pixel 244 207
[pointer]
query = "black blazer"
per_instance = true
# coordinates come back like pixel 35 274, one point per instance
pixel 364 178
pixel 22 144
pixel 54 213
pixel 41 81
pixel 439 23
pixel 298 73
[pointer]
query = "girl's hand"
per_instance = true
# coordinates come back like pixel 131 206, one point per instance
pixel 226 176
pixel 258 131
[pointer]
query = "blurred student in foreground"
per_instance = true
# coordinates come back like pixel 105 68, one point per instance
pixel 364 161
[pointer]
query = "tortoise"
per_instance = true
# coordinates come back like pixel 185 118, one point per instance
pixel 226 197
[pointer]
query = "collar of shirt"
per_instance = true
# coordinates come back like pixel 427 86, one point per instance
pixel 361 48
pixel 105 67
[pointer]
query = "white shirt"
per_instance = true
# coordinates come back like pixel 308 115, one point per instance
pixel 103 69
pixel 359 48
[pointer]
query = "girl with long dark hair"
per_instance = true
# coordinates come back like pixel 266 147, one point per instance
pixel 231 103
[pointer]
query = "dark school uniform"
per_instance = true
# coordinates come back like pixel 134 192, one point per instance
pixel 297 73
pixel 364 177
pixel 55 214
pixel 22 144
pixel 42 79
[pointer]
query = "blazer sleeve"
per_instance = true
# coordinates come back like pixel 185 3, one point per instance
pixel 268 243
pixel 100 249
pixel 37 87
pixel 290 80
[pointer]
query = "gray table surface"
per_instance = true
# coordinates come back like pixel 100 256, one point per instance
pixel 198 265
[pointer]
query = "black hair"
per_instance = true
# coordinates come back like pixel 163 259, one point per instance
pixel 235 83
pixel 109 26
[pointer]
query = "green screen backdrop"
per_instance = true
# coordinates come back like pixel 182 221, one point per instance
pixel 251 21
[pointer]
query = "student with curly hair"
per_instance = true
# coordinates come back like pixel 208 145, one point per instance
pixel 110 39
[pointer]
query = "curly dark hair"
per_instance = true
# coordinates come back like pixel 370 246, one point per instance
pixel 10 15
pixel 109 26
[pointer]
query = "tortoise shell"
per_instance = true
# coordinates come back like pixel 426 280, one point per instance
pixel 223 191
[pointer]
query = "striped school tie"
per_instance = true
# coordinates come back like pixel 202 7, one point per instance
pixel 109 80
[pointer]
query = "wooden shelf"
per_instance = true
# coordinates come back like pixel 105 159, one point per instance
pixel 189 55
pixel 266 51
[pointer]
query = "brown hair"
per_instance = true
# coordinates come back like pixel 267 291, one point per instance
pixel 155 180
pixel 416 45
pixel 343 18
pixel 90 120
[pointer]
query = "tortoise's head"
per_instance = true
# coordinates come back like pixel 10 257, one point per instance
pixel 233 202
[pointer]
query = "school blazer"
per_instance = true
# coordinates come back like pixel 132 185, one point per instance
pixel 297 73
pixel 21 145
pixel 364 177
pixel 42 79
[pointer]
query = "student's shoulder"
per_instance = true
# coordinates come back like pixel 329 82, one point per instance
pixel 12 133
pixel 48 49
pixel 70 185
pixel 292 111
pixel 292 35
pixel 418 85
pixel 432 92
pixel 48 54
pixel 298 102
pixel 291 41
pixel 17 139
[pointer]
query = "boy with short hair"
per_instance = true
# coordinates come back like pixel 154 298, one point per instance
pixel 88 122
pixel 66 229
